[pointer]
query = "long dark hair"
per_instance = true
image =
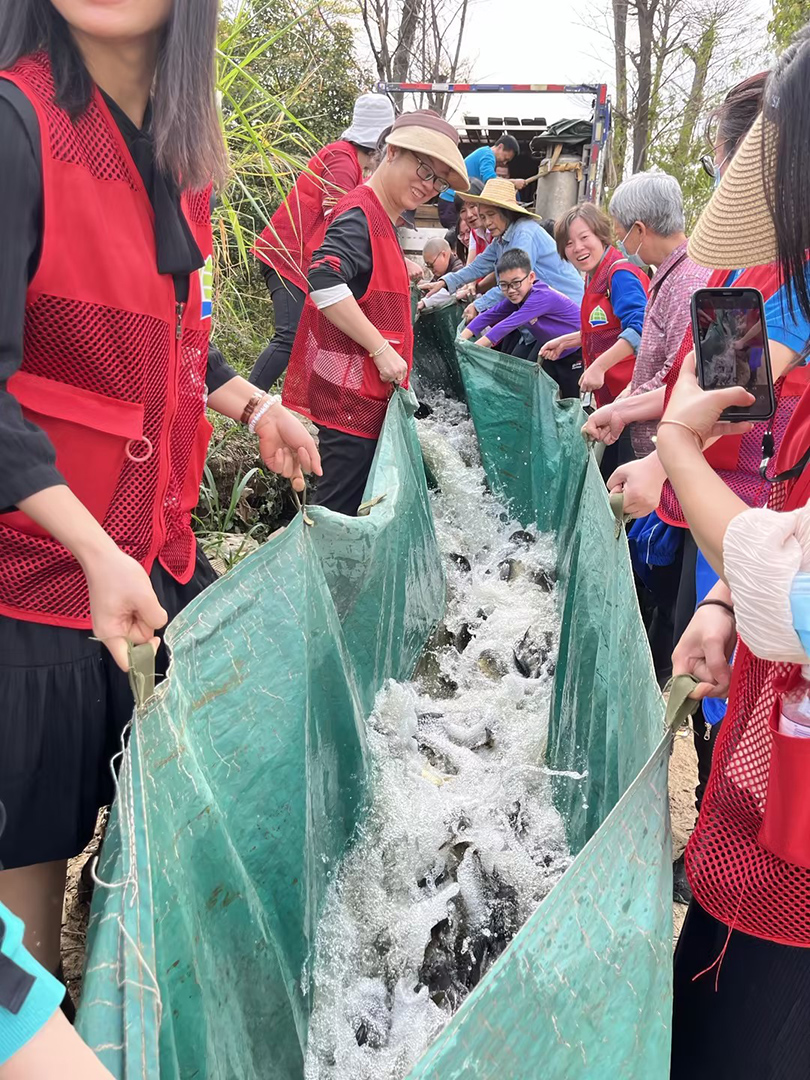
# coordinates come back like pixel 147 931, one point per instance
pixel 185 121
pixel 785 142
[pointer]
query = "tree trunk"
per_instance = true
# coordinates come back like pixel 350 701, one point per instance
pixel 401 60
pixel 645 15
pixel 701 57
pixel 620 115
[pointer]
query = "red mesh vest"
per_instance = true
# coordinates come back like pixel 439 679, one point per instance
pixel 748 813
pixel 112 371
pixel 601 325
pixel 736 458
pixel 298 226
pixel 331 379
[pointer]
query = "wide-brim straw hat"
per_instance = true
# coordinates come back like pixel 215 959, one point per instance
pixel 736 229
pixel 501 193
pixel 425 132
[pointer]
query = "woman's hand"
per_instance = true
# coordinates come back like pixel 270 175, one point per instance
pixel 605 425
pixel 286 447
pixel 484 342
pixel 705 649
pixel 430 288
pixel 415 271
pixel 391 366
pixel 123 604
pixel 640 482
pixel 700 410
pixel 553 349
pixel 592 379
pixel 470 312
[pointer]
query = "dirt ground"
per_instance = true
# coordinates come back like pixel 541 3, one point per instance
pixel 682 779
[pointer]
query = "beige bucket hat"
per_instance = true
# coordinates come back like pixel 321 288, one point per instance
pixel 425 132
pixel 736 228
pixel 501 193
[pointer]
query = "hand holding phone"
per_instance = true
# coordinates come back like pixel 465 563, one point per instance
pixel 731 348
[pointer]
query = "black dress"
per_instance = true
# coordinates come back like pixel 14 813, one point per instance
pixel 64 704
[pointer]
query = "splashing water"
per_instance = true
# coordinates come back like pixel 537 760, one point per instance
pixel 460 842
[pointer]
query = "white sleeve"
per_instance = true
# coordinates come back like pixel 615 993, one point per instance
pixel 762 553
pixel 324 298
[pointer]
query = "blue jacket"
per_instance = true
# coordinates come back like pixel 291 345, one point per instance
pixel 532 238
pixel 480 165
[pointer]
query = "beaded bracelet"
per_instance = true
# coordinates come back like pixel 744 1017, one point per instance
pixel 268 402
pixel 250 408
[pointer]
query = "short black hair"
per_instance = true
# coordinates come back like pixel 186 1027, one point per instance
pixel 509 142
pixel 514 259
pixel 548 224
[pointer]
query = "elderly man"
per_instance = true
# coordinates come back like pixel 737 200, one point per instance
pixel 647 212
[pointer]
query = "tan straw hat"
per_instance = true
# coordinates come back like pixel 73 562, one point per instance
pixel 501 193
pixel 736 228
pixel 425 132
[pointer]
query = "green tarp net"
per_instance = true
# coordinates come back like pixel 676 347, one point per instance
pixel 246 774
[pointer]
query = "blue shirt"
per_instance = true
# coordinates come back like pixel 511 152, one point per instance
pixel 790 330
pixel 29 995
pixel 629 301
pixel 532 238
pixel 480 165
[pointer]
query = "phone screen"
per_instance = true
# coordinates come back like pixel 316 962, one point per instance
pixel 732 348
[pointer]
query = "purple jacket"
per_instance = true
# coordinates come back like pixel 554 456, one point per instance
pixel 545 313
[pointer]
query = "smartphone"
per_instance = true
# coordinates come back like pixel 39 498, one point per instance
pixel 731 348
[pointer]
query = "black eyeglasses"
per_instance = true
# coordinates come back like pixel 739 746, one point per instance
pixel 512 286
pixel 709 165
pixel 424 172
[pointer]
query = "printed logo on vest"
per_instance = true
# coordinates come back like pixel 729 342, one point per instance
pixel 207 287
pixel 598 316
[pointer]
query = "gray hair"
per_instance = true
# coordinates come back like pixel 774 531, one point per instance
pixel 435 246
pixel 654 199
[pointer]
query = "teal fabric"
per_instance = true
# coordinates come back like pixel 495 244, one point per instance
pixel 44 997
pixel 246 775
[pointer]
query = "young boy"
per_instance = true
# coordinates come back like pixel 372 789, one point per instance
pixel 440 259
pixel 530 314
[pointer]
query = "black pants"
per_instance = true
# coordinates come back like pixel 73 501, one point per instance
pixel 448 215
pixel 657 596
pixel 619 453
pixel 346 461
pixel 747 1021
pixel 288 305
pixel 566 372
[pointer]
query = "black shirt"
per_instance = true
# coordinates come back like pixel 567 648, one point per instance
pixel 344 257
pixel 26 455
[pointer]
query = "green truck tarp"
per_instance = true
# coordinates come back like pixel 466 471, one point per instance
pixel 245 776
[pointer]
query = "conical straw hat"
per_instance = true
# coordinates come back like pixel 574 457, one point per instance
pixel 736 229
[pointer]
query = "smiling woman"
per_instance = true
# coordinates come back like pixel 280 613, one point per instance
pixel 355 340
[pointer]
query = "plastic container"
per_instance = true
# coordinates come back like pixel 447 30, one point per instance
pixel 795 713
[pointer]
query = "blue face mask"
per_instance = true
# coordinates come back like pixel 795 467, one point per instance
pixel 634 258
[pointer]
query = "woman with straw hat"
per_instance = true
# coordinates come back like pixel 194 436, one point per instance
pixel 355 340
pixel 742 966
pixel 285 247
pixel 511 226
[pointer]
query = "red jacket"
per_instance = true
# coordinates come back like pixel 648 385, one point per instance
pixel 298 226
pixel 113 371
pixel 333 380
pixel 601 326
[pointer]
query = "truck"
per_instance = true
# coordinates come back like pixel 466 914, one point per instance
pixel 570 156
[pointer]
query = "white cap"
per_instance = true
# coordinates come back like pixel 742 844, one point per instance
pixel 373 113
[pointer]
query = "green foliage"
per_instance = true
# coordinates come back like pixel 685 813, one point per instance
pixel 788 16
pixel 288 80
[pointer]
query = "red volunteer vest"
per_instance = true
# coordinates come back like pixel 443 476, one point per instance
pixel 601 326
pixel 736 458
pixel 748 861
pixel 298 226
pixel 331 379
pixel 113 371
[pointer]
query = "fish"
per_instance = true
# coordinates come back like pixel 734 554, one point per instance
pixel 532 653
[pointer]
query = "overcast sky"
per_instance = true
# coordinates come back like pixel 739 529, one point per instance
pixel 539 41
